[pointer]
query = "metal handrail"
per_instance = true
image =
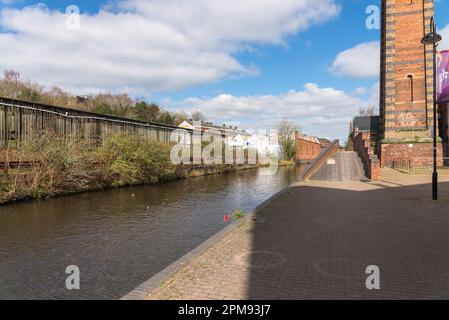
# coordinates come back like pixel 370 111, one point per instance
pixel 94 116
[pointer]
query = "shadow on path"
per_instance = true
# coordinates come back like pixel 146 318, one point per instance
pixel 316 242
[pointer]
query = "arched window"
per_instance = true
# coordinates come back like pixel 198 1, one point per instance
pixel 410 87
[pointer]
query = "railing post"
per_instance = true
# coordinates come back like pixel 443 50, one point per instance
pixel 98 132
pixel 5 128
pixel 19 128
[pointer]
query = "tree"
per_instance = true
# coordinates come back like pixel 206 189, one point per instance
pixel 368 111
pixel 350 142
pixel 30 94
pixel 167 118
pixel 57 96
pixel 198 116
pixel 287 140
pixel 180 117
pixel 147 112
pixel 9 86
pixel 154 111
pixel 103 109
pixel 119 105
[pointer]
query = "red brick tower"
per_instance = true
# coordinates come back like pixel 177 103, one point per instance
pixel 406 83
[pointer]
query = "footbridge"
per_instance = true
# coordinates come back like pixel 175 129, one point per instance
pixel 343 166
pixel 333 164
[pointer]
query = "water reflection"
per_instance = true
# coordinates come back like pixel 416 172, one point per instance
pixel 118 238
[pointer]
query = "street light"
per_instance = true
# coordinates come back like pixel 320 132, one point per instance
pixel 432 38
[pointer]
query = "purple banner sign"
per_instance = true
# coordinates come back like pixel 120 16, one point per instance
pixel 443 76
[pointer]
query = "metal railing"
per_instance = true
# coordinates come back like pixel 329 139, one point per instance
pixel 405 165
pixel 21 119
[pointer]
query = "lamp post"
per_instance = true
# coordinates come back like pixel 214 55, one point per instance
pixel 432 38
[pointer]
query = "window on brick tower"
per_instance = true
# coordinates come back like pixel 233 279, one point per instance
pixel 410 87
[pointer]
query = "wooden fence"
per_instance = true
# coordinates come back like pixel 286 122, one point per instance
pixel 19 120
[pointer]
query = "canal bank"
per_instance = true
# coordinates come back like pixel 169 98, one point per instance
pixel 119 238
pixel 181 172
pixel 48 166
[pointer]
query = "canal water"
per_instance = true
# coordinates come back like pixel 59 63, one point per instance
pixel 119 238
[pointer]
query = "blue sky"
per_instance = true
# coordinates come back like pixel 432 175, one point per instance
pixel 249 79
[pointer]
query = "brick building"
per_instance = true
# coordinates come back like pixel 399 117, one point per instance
pixel 406 84
pixel 325 143
pixel 307 148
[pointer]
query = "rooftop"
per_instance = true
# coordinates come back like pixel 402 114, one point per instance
pixel 366 123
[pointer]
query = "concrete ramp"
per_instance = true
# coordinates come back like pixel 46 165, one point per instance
pixel 343 166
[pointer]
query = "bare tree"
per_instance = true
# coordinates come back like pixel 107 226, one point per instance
pixel 57 96
pixel 198 116
pixel 368 111
pixel 9 85
pixel 286 131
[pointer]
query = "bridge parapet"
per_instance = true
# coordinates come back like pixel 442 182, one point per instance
pixel 371 163
pixel 327 153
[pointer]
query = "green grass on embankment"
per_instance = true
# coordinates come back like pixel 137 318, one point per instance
pixel 286 163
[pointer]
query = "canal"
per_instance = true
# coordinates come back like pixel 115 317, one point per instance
pixel 118 238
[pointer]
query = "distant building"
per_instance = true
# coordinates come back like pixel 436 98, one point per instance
pixel 265 144
pixel 307 148
pixel 324 142
pixel 368 124
pixel 83 99
pixel 234 136
pixel 209 126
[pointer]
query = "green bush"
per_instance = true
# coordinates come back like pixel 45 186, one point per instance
pixel 238 214
pixel 57 164
pixel 131 160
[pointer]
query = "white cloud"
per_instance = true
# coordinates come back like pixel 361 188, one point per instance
pixel 360 91
pixel 444 45
pixel 320 111
pixel 361 61
pixel 373 100
pixel 147 46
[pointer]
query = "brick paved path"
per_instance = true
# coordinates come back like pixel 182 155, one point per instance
pixel 315 242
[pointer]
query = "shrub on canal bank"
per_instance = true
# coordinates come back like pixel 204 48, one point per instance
pixel 55 165
pixel 238 214
pixel 128 160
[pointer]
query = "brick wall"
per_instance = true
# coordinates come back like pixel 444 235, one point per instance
pixel 419 154
pixel 406 69
pixel 306 149
pixel 362 145
pixel 406 83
